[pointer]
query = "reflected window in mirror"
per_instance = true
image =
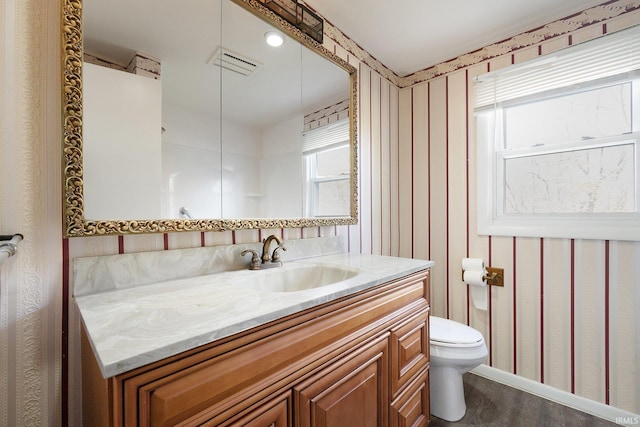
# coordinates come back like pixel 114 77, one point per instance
pixel 327 170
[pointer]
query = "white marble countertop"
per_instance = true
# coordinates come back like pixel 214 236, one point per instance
pixel 129 328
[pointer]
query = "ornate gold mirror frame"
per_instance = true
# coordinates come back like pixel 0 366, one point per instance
pixel 75 223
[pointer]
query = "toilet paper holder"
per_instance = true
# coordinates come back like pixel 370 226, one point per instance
pixel 494 276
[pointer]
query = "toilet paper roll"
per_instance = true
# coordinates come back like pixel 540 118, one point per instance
pixel 474 277
pixel 478 287
pixel 479 297
pixel 473 264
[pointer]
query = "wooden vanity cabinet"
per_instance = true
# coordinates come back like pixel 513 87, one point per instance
pixel 361 360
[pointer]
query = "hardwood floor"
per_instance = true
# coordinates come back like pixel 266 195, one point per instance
pixel 493 404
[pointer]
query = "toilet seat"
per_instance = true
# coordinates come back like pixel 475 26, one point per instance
pixel 448 333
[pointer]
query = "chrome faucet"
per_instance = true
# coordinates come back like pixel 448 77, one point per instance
pixel 266 261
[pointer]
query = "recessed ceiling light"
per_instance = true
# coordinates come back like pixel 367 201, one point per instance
pixel 274 38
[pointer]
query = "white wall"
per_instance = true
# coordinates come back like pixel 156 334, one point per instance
pixel 281 176
pixel 191 164
pixel 241 171
pixel 122 129
pixel 210 180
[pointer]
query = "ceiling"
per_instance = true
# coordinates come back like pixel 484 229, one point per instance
pixel 411 35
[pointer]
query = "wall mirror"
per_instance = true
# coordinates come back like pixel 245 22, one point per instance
pixel 178 116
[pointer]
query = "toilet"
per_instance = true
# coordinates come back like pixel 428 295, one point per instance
pixel 455 349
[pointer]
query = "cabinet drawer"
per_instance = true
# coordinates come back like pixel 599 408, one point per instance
pixel 409 350
pixel 411 408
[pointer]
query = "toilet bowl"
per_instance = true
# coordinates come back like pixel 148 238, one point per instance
pixel 455 349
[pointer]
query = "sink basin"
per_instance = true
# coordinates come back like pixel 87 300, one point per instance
pixel 298 278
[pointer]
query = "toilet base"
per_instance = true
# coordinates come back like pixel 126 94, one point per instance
pixel 446 393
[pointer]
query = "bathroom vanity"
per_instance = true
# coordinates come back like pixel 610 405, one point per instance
pixel 350 353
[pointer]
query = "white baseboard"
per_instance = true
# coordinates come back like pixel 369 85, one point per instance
pixel 571 400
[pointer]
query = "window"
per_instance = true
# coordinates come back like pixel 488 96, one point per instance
pixel 328 170
pixel 559 144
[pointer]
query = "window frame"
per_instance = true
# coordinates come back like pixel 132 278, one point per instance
pixel 313 181
pixel 492 220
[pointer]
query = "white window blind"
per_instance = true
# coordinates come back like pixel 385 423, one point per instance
pixel 326 136
pixel 607 56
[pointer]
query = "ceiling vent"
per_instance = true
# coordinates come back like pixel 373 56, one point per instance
pixel 233 61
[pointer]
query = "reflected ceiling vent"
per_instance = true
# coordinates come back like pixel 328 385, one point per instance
pixel 233 61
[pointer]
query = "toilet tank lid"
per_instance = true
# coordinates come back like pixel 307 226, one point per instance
pixel 452 332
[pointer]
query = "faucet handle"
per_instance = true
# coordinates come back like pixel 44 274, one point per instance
pixel 275 257
pixel 255 259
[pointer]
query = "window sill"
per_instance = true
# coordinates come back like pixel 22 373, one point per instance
pixel 623 227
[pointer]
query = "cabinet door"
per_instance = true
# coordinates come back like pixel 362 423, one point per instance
pixel 274 413
pixel 409 350
pixel 411 408
pixel 352 392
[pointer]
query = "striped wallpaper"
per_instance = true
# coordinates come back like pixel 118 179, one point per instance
pixel 566 316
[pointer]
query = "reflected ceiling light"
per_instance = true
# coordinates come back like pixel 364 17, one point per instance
pixel 274 38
